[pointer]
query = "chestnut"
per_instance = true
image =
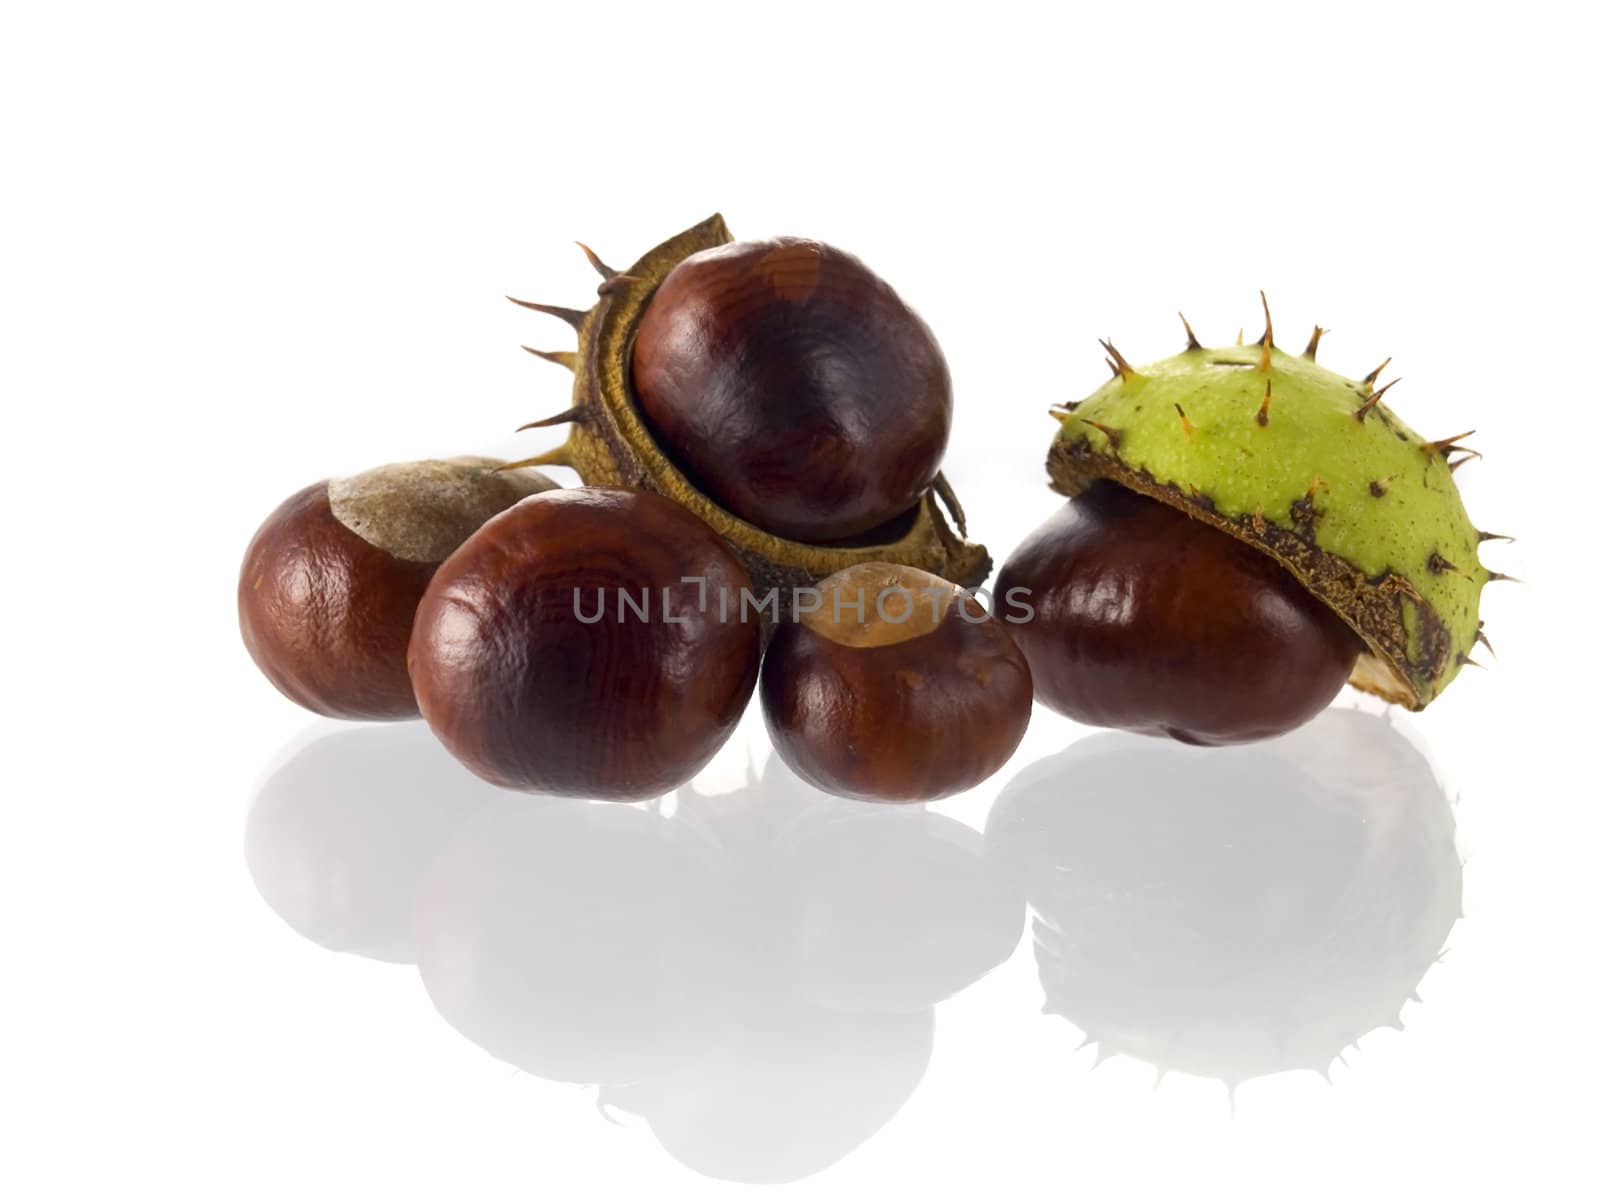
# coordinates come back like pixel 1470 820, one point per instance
pixel 588 642
pixel 794 386
pixel 332 578
pixel 1134 615
pixel 894 685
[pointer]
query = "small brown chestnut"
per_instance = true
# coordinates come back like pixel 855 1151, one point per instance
pixel 578 644
pixel 331 580
pixel 1134 615
pixel 795 387
pixel 895 685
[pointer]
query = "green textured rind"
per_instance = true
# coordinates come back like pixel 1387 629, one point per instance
pixel 1364 512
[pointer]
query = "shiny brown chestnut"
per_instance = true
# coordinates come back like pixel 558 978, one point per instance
pixel 1134 615
pixel 895 685
pixel 795 387
pixel 332 578
pixel 578 644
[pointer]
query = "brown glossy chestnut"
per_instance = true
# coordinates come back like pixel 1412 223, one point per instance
pixel 331 580
pixel 896 685
pixel 794 386
pixel 1134 615
pixel 577 644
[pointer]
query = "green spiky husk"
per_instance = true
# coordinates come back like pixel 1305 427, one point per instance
pixel 1360 509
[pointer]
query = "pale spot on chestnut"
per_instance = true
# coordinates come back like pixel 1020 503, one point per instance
pixel 331 580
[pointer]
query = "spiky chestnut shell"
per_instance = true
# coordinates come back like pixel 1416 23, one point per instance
pixel 1312 469
pixel 610 443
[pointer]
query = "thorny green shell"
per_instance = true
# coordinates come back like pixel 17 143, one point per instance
pixel 1314 470
pixel 610 443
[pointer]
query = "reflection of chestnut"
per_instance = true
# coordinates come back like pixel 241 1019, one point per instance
pixel 1234 913
pixel 332 578
pixel 789 1091
pixel 341 832
pixel 569 940
pixel 794 386
pixel 577 644
pixel 1149 621
pixel 897 686
pixel 891 909
pixel 754 975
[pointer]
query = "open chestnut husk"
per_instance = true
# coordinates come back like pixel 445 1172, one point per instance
pixel 1134 616
pixel 896 686
pixel 331 580
pixel 795 481
pixel 1312 470
pixel 589 642
pixel 1262 459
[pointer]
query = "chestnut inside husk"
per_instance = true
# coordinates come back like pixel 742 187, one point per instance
pixel 1344 518
pixel 1315 471
pixel 611 443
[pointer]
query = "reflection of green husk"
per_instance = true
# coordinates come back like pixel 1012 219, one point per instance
pixel 1238 912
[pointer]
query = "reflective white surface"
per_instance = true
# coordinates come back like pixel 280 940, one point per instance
pixel 250 954
pixel 754 974
pixel 407 981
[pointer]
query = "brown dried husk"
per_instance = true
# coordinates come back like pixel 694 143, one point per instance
pixel 609 444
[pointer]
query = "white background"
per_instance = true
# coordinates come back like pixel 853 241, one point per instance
pixel 247 247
